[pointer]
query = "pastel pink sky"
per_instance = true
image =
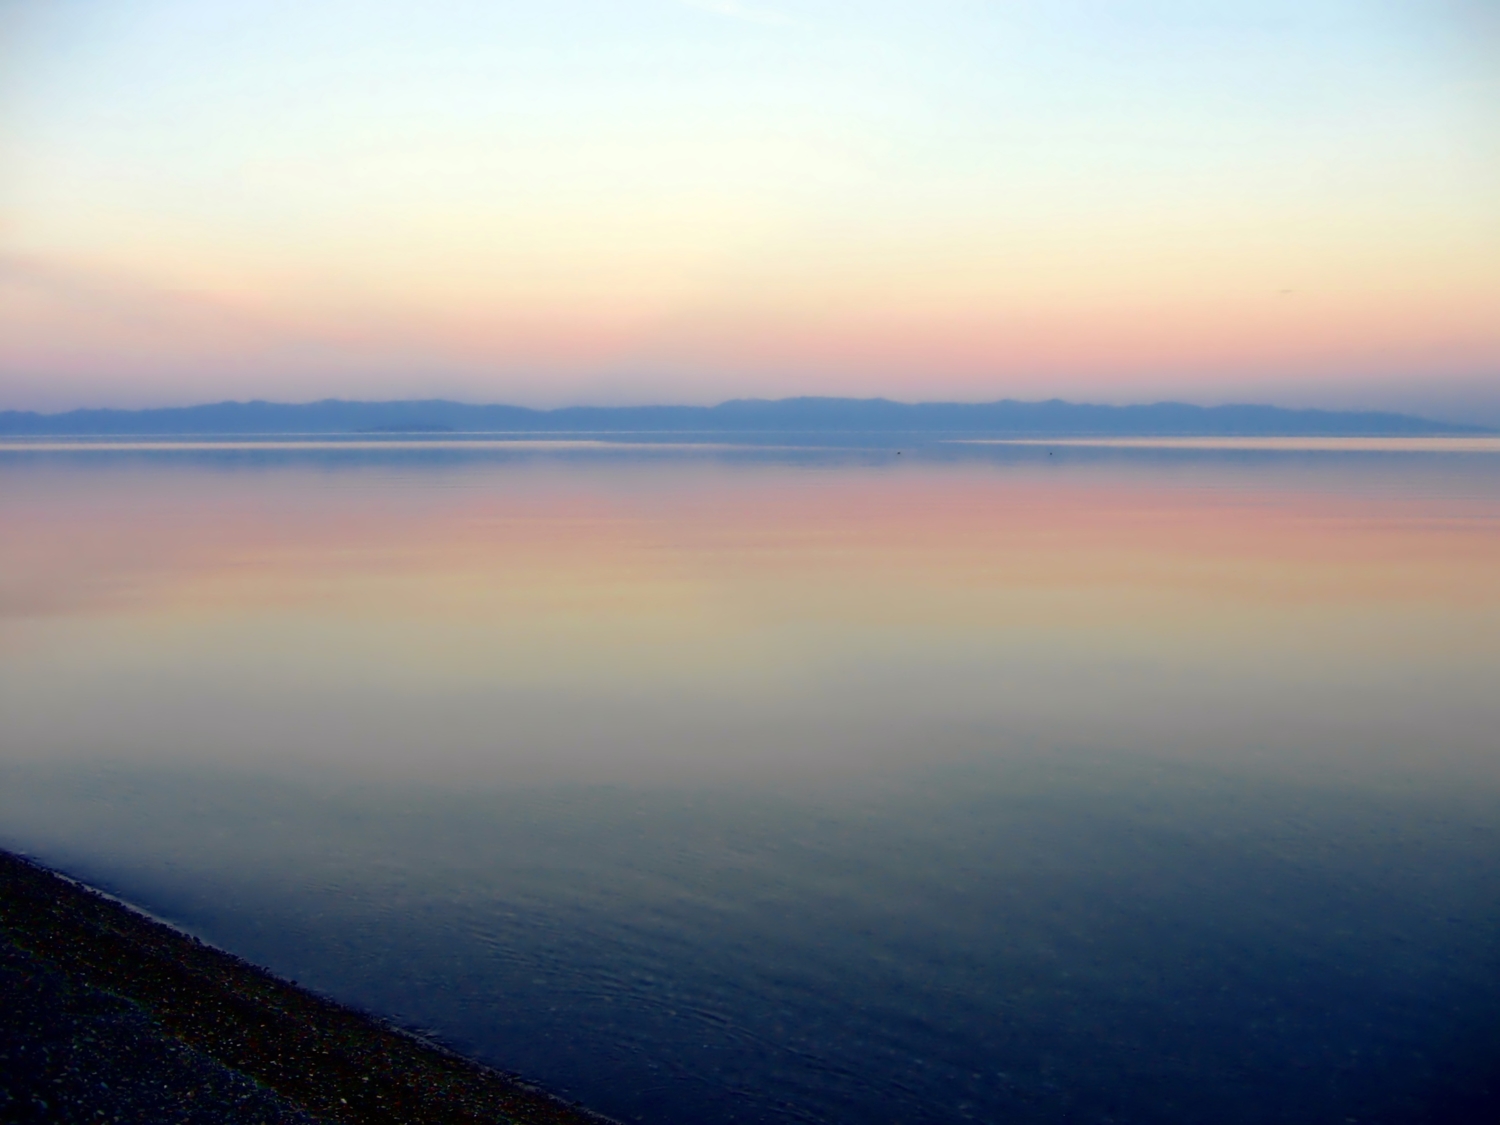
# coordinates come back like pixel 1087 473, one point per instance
pixel 662 200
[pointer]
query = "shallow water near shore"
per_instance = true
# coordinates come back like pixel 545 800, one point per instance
pixel 974 782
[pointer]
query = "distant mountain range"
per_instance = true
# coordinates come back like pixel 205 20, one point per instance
pixel 1006 418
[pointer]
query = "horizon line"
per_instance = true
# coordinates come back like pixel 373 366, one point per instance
pixel 743 400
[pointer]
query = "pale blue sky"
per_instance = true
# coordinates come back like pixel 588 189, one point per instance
pixel 691 200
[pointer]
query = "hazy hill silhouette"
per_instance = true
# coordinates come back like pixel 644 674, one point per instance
pixel 1006 418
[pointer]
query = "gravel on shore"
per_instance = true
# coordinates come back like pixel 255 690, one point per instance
pixel 107 1015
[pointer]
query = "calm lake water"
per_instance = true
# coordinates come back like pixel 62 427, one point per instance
pixel 1007 783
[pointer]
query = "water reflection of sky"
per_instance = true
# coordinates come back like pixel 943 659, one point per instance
pixel 775 737
pixel 564 613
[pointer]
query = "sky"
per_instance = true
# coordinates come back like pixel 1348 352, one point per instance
pixel 1293 201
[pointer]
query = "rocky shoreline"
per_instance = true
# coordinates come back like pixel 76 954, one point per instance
pixel 107 1015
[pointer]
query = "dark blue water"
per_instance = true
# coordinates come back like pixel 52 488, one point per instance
pixel 844 894
pixel 1063 941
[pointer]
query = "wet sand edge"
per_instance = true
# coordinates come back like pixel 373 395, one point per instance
pixel 332 1062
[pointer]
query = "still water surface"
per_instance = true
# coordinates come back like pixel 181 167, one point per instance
pixel 980 782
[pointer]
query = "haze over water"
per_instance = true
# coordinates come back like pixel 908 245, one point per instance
pixel 975 782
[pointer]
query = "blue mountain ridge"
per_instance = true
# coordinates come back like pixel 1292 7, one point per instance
pixel 1005 418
